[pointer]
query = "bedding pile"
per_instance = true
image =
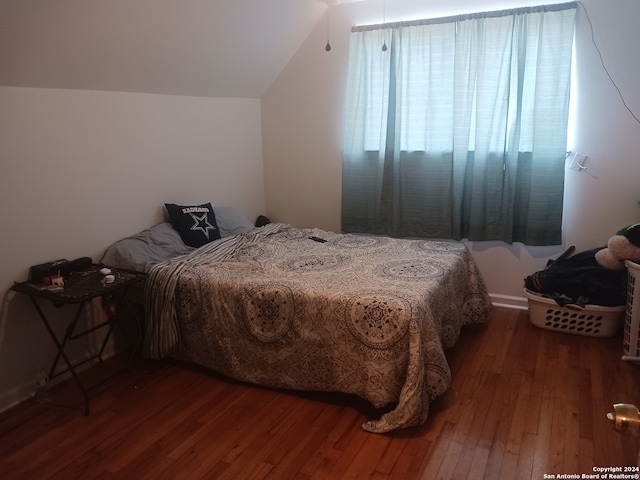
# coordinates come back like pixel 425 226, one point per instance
pixel 364 315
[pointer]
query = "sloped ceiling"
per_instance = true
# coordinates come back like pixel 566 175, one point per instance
pixel 208 48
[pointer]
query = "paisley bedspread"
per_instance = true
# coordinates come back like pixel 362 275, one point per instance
pixel 364 315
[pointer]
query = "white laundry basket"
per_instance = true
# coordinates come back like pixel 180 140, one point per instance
pixel 631 337
pixel 590 320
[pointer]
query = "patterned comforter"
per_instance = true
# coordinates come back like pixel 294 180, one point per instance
pixel 364 315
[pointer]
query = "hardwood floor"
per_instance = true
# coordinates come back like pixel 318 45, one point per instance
pixel 525 402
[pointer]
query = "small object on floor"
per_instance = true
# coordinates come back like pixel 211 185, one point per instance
pixel 317 239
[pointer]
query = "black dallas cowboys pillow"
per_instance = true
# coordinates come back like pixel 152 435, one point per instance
pixel 196 224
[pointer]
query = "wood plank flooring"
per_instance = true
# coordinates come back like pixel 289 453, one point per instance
pixel 525 403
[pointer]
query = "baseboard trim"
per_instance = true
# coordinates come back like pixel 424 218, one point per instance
pixel 15 396
pixel 509 301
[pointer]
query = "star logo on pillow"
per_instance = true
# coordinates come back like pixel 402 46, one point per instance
pixel 201 223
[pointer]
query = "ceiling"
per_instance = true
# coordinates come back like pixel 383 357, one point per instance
pixel 208 48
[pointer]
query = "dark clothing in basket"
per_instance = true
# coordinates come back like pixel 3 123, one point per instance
pixel 580 280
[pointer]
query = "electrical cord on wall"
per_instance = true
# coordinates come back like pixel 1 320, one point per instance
pixel 7 297
pixel 137 347
pixel 604 67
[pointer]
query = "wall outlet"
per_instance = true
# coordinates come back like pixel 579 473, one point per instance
pixel 43 392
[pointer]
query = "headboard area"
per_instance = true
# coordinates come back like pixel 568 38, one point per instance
pixel 164 241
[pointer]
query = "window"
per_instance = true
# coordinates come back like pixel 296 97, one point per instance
pixel 459 129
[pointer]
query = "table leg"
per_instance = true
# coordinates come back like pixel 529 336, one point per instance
pixel 61 352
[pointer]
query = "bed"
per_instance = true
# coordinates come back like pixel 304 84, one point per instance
pixel 310 310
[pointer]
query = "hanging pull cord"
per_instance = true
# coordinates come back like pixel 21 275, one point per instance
pixel 328 46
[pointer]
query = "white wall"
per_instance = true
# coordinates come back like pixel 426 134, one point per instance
pixel 302 118
pixel 81 169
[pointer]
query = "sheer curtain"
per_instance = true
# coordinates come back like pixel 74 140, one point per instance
pixel 459 129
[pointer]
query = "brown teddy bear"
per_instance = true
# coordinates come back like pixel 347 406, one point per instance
pixel 624 245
